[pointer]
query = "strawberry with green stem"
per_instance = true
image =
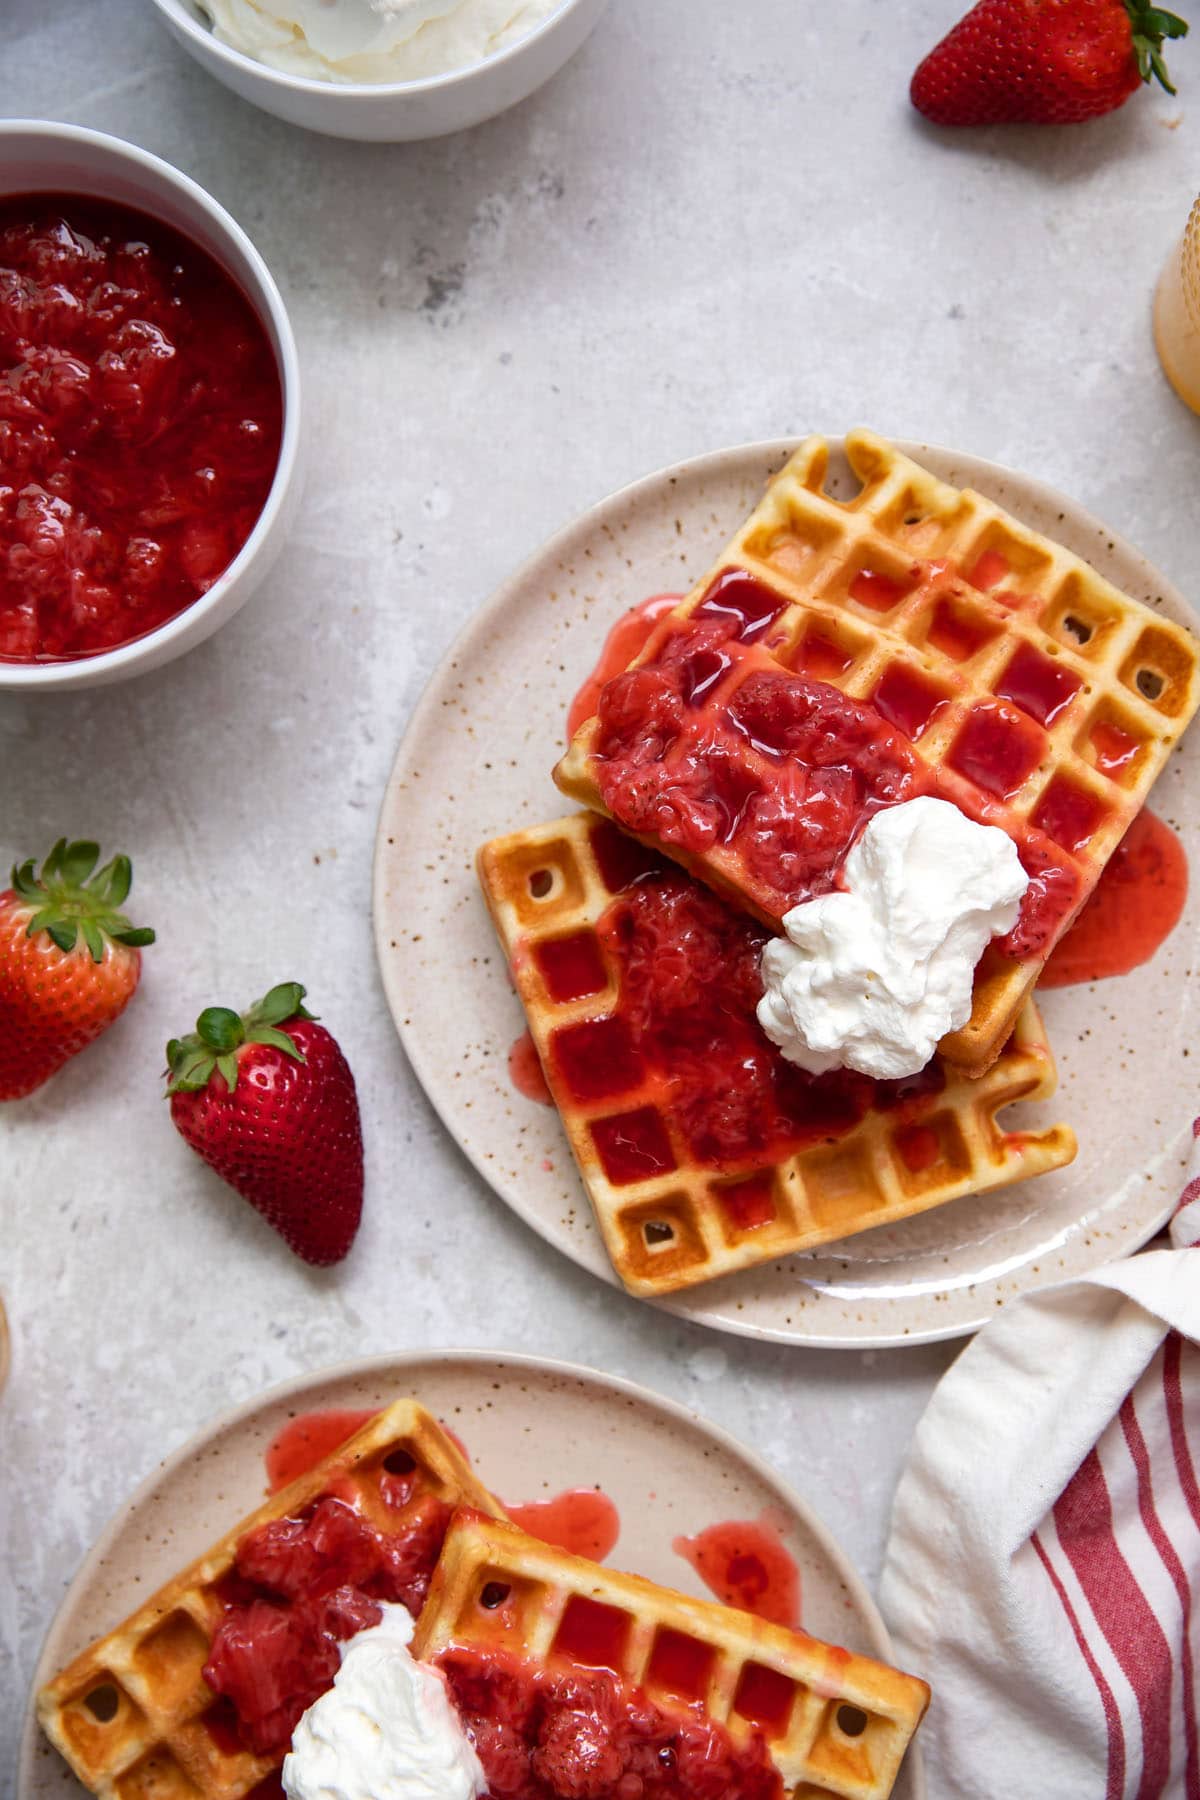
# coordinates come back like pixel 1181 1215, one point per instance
pixel 70 961
pixel 1047 62
pixel 267 1099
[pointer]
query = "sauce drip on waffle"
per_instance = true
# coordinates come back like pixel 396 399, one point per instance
pixel 561 1731
pixel 711 743
pixel 684 1024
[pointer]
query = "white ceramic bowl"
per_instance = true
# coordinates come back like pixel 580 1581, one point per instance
pixel 392 112
pixel 39 157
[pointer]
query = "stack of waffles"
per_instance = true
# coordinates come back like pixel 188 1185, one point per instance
pixel 840 656
pixel 136 1720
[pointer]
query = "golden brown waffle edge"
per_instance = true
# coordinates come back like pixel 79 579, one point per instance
pixel 126 1712
pixel 843 1730
pixel 673 1231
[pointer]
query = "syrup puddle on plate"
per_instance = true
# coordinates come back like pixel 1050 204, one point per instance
pixel 1133 908
pixel 746 1563
pixel 583 1521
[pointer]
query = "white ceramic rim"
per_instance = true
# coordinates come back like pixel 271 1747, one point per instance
pixel 370 1366
pixel 268 305
pixel 180 13
pixel 427 709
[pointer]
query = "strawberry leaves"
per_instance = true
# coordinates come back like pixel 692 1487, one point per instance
pixel 220 1033
pixel 71 902
pixel 1149 26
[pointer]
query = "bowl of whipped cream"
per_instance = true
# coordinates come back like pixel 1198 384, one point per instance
pixel 382 70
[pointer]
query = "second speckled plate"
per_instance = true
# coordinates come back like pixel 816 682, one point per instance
pixel 532 1429
pixel 476 762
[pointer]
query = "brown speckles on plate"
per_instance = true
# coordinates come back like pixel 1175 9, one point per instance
pixel 933 1277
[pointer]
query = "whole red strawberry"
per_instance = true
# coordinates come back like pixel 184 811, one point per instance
pixel 69 961
pixel 268 1100
pixel 1045 62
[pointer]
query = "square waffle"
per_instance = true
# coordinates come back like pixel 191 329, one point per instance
pixel 1012 680
pixel 128 1714
pixel 664 1131
pixel 835 1724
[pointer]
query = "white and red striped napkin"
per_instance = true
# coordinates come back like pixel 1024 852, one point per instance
pixel 1043 1569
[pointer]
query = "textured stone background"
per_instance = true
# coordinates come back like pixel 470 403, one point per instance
pixel 720 222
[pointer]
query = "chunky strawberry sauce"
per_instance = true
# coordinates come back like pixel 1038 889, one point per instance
pixel 670 762
pixel 562 1733
pixel 140 420
pixel 627 639
pixel 684 1033
pixel 299 1589
pixel 715 745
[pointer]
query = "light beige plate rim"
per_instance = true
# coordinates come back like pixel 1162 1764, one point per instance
pixel 489 1382
pixel 452 785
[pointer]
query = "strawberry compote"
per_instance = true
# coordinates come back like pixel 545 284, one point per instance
pixel 685 1017
pixel 140 423
pixel 715 745
pixel 299 1588
pixel 671 762
pixel 562 1734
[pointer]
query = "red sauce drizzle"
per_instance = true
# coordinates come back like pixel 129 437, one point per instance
pixel 627 639
pixel 1115 749
pixel 820 657
pixel 526 1073
pixel 308 1440
pixel 582 1521
pixel 1133 909
pixel 592 1632
pixel 687 1047
pixel 711 744
pixel 881 592
pixel 746 1563
pixel 1040 686
pixel 140 423
pixel 571 967
pixel 991 569
pixel 907 700
pixel 997 748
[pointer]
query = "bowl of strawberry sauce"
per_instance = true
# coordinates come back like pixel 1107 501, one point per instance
pixel 149 411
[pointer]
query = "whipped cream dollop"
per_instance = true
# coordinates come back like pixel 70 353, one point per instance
pixel 872 978
pixel 386 1730
pixel 372 40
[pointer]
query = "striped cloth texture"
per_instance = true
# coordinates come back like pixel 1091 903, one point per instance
pixel 1043 1567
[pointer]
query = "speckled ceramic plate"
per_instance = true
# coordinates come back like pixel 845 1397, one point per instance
pixel 533 1428
pixel 476 762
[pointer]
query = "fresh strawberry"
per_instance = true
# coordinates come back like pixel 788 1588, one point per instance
pixel 1046 62
pixel 69 961
pixel 274 1112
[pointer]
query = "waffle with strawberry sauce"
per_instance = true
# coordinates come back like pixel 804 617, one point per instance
pixel 196 1695
pixel 574 1680
pixel 702 1148
pixel 845 655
